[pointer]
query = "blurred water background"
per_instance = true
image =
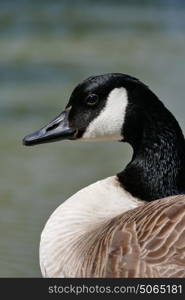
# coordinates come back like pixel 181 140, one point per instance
pixel 46 48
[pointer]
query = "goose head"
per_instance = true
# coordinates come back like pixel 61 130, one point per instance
pixel 120 107
pixel 105 107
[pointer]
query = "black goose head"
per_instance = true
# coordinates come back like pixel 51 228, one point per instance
pixel 120 107
pixel 105 107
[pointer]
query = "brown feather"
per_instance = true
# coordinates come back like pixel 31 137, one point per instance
pixel 148 241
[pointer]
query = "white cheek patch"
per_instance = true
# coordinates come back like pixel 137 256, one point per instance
pixel 108 124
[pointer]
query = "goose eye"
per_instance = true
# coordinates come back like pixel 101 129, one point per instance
pixel 92 99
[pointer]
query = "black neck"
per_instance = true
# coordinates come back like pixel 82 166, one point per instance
pixel 157 168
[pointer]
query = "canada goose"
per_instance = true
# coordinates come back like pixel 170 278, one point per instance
pixel 113 228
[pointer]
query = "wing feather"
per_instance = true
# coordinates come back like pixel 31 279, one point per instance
pixel 149 241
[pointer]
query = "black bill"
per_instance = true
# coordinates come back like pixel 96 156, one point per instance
pixel 56 130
